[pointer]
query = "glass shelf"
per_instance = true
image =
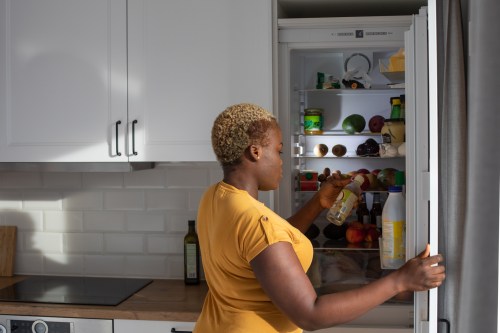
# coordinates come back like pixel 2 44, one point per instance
pixel 376 90
pixel 338 133
pixel 311 155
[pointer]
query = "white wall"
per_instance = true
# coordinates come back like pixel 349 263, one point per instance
pixel 104 224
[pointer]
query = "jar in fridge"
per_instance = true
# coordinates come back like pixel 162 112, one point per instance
pixel 393 131
pixel 313 121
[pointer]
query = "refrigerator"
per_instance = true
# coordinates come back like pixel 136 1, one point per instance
pixel 315 55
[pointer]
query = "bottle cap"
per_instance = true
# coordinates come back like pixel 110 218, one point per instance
pixel 396 101
pixel 191 223
pixel 395 188
pixel 400 178
pixel 359 179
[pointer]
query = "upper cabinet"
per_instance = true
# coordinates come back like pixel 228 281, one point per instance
pixel 63 80
pixel 188 61
pixel 136 80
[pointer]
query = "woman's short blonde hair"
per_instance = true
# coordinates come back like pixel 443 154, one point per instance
pixel 238 127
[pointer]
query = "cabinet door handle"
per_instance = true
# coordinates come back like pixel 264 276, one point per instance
pixel 116 139
pixel 176 331
pixel 133 137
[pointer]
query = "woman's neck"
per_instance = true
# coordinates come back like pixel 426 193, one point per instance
pixel 241 179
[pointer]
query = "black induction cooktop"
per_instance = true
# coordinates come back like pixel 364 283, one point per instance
pixel 73 290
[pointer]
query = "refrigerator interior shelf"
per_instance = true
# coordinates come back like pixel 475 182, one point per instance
pixel 376 90
pixel 349 155
pixel 340 133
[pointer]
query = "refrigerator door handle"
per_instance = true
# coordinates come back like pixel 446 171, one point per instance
pixel 447 323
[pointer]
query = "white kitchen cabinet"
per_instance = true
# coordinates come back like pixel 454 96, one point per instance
pixel 188 61
pixel 63 80
pixel 134 326
pixel 118 80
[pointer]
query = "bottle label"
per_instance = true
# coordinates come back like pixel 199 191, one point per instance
pixel 393 239
pixel 342 207
pixel 191 272
pixel 313 123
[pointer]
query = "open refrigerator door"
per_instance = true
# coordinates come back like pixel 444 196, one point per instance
pixel 331 69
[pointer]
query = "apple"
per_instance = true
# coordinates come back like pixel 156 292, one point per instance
pixel 372 234
pixel 356 224
pixel 355 233
pixel 375 171
pixel 373 181
pixel 365 171
pixel 376 123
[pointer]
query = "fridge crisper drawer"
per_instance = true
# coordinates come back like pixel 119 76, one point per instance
pixel 382 319
pixel 337 270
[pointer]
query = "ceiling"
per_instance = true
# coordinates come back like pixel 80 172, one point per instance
pixel 339 8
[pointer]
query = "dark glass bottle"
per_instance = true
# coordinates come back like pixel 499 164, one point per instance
pixel 362 212
pixel 191 255
pixel 376 211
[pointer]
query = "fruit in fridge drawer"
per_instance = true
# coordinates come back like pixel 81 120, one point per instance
pixel 355 233
pixel 354 123
pixel 320 150
pixel 312 232
pixel 372 234
pixel 332 231
pixel 387 177
pixel 376 123
pixel 339 150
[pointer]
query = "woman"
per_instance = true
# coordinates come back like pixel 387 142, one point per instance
pixel 255 261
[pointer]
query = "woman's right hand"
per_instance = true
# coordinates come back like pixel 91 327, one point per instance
pixel 331 188
pixel 421 273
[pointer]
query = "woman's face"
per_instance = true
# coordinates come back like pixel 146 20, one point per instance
pixel 270 163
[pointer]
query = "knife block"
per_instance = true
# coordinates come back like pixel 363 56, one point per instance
pixel 7 250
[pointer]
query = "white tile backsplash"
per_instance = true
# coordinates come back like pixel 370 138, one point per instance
pixel 124 200
pixel 62 180
pixel 104 265
pixel 83 243
pixel 83 200
pixel 124 243
pixel 104 224
pixel 43 242
pixel 167 200
pixel 63 221
pixel 102 180
pixel 42 201
pixel 20 180
pixel 103 221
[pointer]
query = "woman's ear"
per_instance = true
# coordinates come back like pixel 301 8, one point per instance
pixel 255 151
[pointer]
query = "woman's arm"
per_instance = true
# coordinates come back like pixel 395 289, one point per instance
pixel 321 200
pixel 299 301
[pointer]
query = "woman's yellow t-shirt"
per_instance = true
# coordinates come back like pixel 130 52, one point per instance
pixel 233 228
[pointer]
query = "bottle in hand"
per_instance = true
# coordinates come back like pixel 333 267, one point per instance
pixel 191 255
pixel 362 212
pixel 345 201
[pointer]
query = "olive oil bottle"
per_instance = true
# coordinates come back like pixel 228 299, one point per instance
pixel 191 255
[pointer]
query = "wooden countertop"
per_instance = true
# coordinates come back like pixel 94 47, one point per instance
pixel 169 300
